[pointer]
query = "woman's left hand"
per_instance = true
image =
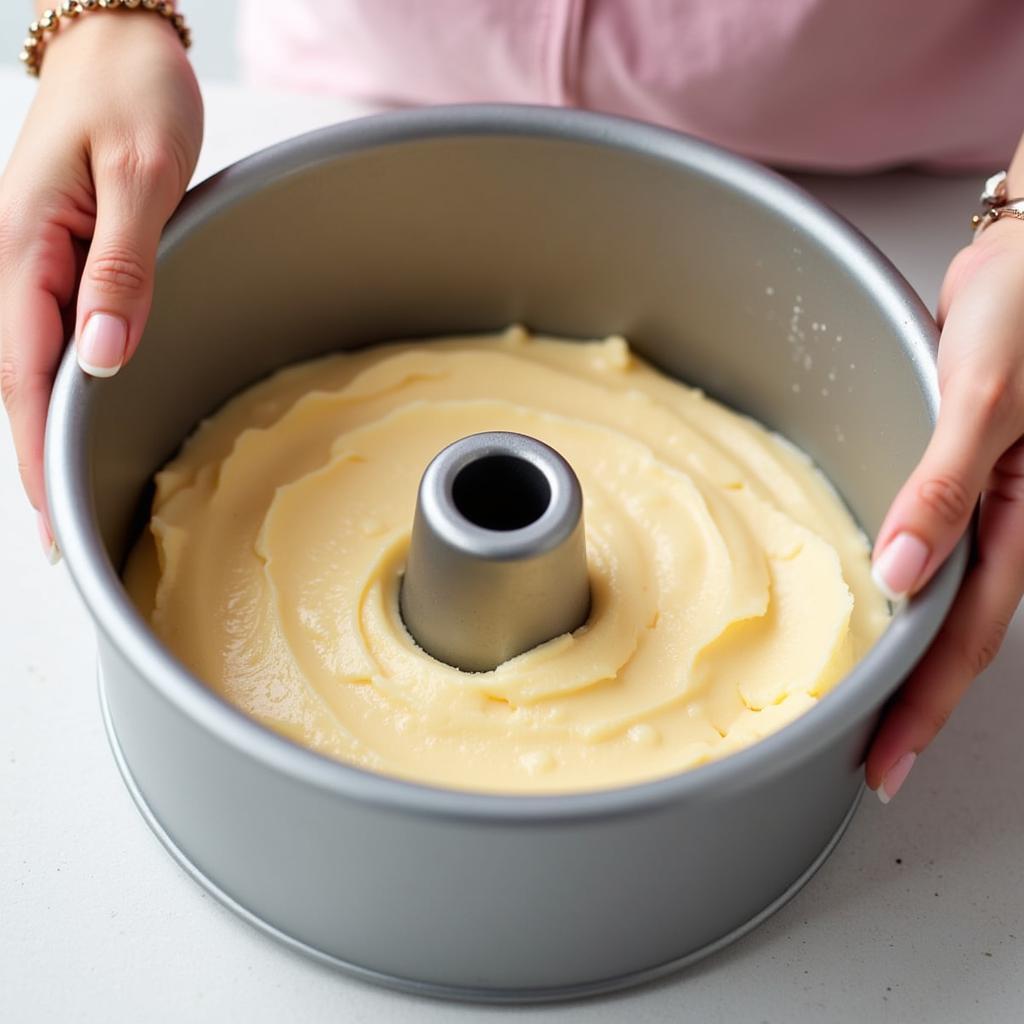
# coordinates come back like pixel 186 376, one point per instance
pixel 977 450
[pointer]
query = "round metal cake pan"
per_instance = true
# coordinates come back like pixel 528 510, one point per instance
pixel 467 219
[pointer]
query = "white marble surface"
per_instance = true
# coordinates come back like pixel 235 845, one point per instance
pixel 919 915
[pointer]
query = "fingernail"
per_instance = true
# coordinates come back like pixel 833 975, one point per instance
pixel 900 565
pixel 102 344
pixel 50 548
pixel 894 778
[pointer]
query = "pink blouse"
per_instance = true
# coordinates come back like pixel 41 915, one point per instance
pixel 815 84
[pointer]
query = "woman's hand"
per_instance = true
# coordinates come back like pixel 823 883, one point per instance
pixel 976 451
pixel 105 155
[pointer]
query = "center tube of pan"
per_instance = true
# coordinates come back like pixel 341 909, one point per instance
pixel 498 562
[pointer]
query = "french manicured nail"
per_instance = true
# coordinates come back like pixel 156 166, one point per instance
pixel 894 778
pixel 900 565
pixel 50 548
pixel 102 344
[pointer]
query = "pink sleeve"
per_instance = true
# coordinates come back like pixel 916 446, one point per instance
pixel 826 84
pixel 408 51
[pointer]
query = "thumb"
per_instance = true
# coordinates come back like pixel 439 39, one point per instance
pixel 934 507
pixel 116 289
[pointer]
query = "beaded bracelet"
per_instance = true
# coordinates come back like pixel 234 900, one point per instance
pixel 50 21
pixel 995 197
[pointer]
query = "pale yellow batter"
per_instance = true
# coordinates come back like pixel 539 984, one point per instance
pixel 730 586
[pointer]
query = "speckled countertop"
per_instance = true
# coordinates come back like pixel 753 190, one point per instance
pixel 918 916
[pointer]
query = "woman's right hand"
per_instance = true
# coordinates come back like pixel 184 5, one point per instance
pixel 104 157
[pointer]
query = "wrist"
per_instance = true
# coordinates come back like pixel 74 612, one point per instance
pixel 104 31
pixel 998 203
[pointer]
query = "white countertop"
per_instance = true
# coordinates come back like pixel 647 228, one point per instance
pixel 918 916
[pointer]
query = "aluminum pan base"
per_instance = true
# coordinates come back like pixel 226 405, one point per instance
pixel 421 988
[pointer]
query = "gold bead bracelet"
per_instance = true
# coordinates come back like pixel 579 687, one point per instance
pixel 50 21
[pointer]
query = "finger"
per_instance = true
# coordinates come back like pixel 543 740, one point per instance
pixel 134 200
pixel 934 506
pixel 968 641
pixel 980 417
pixel 31 341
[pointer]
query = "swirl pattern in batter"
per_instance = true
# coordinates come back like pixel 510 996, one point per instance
pixel 730 586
